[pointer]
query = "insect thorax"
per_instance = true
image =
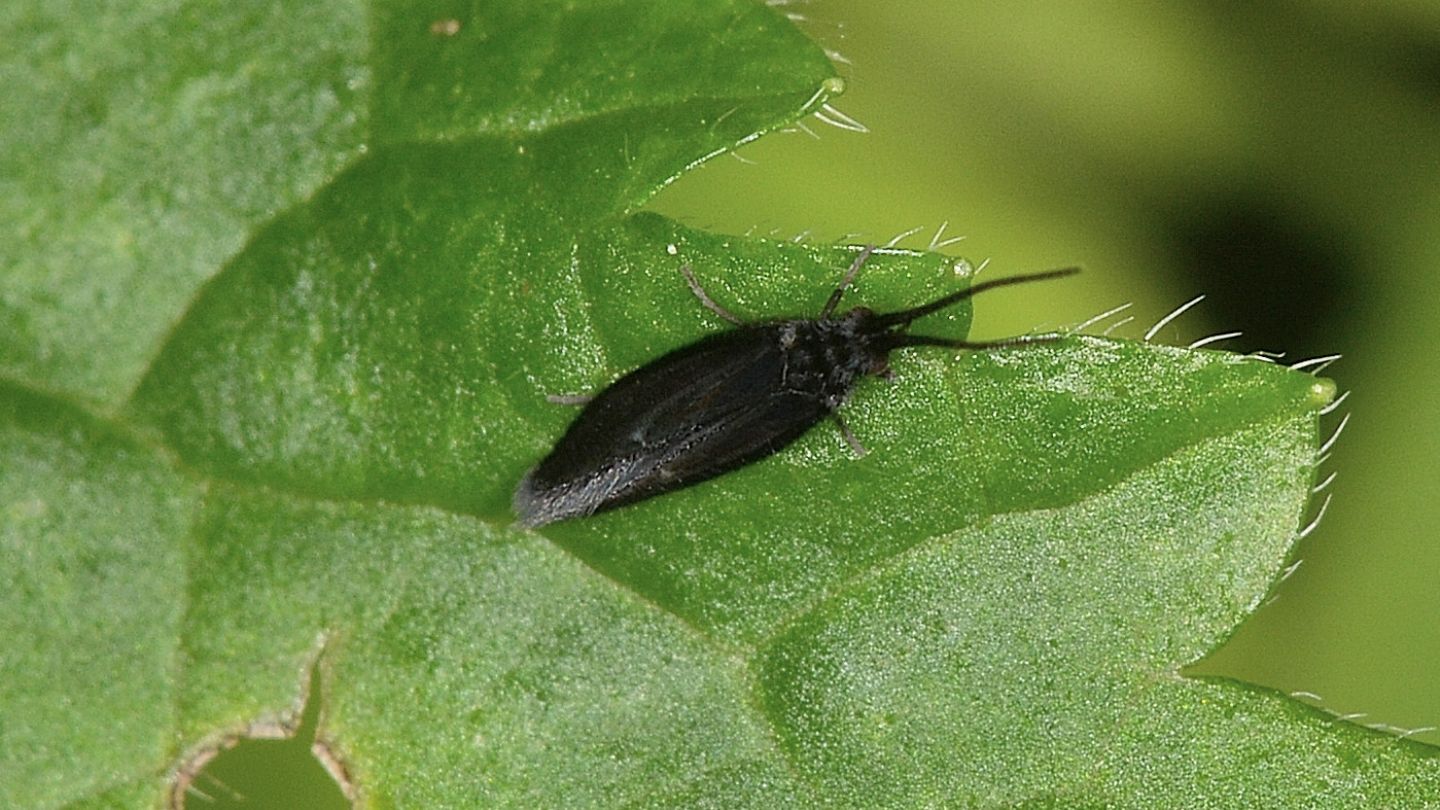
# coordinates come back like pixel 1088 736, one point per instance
pixel 824 359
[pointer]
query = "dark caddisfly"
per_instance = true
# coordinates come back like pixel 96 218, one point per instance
pixel 727 400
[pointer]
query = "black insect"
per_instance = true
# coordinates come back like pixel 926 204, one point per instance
pixel 725 401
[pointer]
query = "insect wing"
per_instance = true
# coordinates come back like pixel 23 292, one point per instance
pixel 693 414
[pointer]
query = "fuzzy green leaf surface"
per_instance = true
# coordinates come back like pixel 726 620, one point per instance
pixel 294 447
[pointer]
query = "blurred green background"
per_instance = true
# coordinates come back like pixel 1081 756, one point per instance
pixel 1283 158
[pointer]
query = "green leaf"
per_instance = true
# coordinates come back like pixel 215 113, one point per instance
pixel 337 384
pixel 93 578
pixel 142 144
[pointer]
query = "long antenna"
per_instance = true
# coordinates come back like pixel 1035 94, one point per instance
pixel 905 316
pixel 900 340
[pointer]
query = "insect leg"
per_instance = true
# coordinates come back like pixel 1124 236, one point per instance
pixel 850 439
pixel 846 281
pixel 705 298
pixel 569 399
